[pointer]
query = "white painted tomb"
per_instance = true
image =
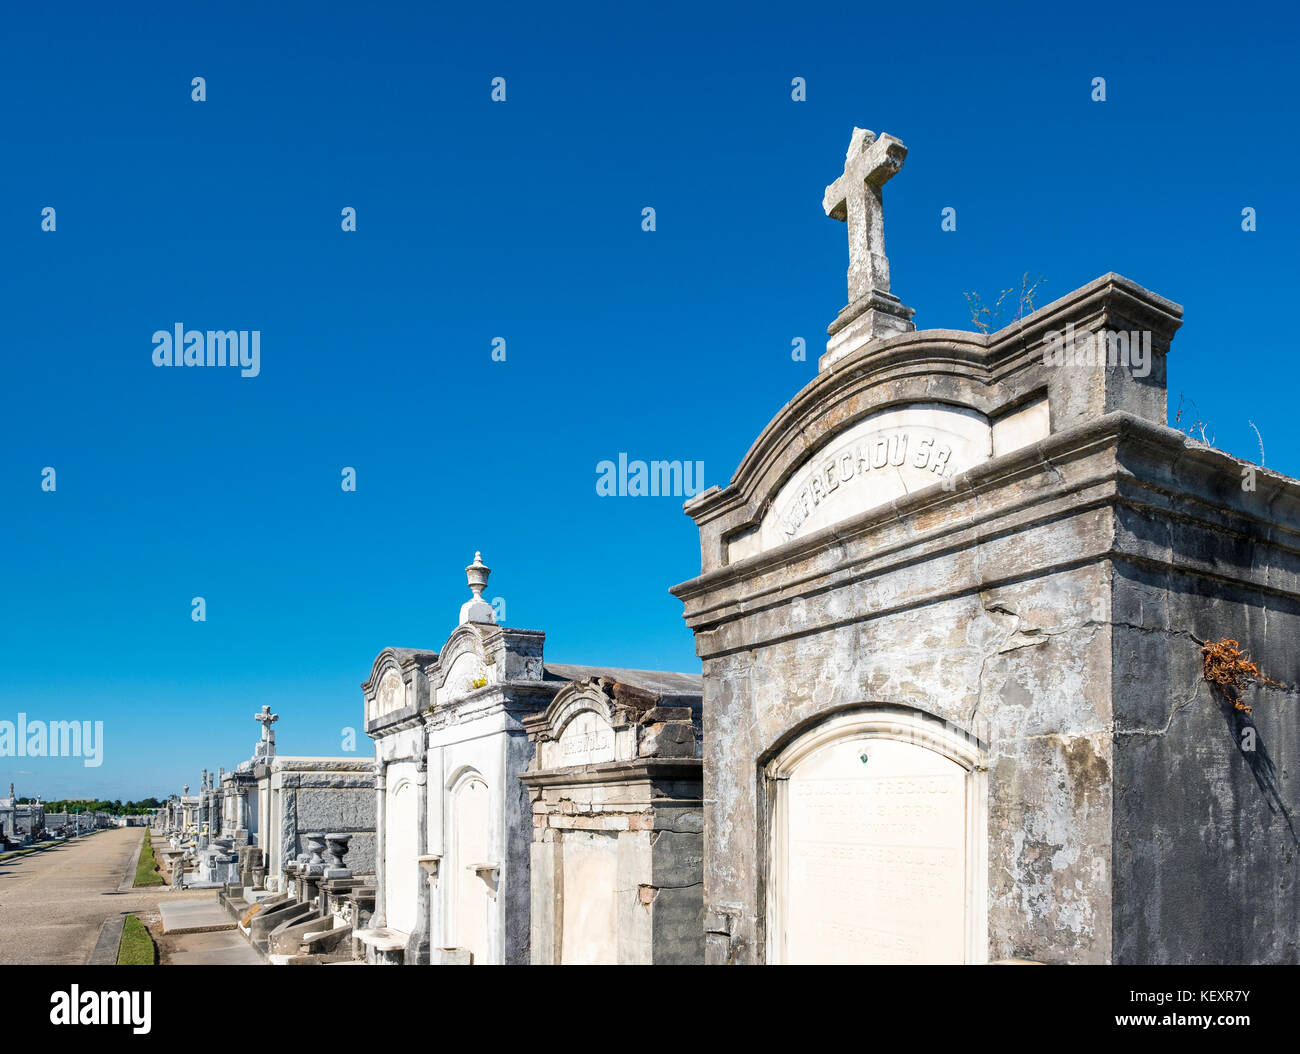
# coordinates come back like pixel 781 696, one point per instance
pixel 455 825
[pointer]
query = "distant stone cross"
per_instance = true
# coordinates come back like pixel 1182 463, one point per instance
pixel 267 747
pixel 855 199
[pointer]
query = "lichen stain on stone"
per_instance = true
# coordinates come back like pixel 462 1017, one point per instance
pixel 1084 766
pixel 1045 852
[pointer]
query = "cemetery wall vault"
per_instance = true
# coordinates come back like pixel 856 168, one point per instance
pixel 999 537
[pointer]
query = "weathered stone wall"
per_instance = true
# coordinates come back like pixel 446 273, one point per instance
pixel 618 865
pixel 1206 845
pixel 327 797
pixel 1206 796
pixel 1020 666
pixel 517 838
pixel 616 793
pixel 985 608
pixel 1055 611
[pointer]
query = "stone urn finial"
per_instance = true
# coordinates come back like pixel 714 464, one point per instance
pixel 316 846
pixel 338 849
pixel 477 609
pixel 477 573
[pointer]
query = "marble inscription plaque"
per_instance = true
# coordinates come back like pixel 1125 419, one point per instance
pixel 876 866
pixel 881 458
pixel 390 695
pixel 587 739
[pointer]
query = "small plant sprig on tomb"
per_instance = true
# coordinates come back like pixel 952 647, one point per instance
pixel 1197 427
pixel 984 318
pixel 1261 442
pixel 1230 671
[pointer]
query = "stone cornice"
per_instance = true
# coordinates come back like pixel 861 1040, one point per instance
pixel 289 763
pixel 631 771
pixel 1116 461
pixel 511 697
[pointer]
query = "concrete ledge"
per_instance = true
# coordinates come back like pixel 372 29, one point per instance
pixel 383 939
pixel 128 880
pixel 215 949
pixel 194 916
pixel 383 947
pixel 110 939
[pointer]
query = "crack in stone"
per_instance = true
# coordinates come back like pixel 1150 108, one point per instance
pixel 1066 737
pixel 1057 474
pixel 1196 691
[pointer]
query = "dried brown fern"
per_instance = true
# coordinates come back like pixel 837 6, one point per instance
pixel 1229 670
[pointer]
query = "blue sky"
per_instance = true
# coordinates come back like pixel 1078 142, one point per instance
pixel 523 220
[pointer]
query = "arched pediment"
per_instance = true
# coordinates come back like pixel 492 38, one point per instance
pixel 882 457
pixel 392 685
pixel 386 690
pixel 579 728
pixel 1014 377
pixel 572 700
pixel 384 661
pixel 464 665
pixel 935 367
pixel 885 423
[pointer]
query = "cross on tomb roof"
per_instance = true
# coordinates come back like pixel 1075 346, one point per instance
pixel 266 747
pixel 855 200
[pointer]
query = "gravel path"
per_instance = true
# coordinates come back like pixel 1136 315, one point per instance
pixel 53 903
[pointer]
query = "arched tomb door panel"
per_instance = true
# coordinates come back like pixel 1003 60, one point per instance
pixel 876 843
pixel 473 876
pixel 400 849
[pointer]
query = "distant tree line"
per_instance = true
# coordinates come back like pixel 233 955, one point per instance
pixel 117 807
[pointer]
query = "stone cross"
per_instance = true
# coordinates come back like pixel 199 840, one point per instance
pixel 266 748
pixel 855 200
pixel 872 312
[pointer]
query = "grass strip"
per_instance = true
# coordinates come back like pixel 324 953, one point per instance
pixel 136 947
pixel 146 868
